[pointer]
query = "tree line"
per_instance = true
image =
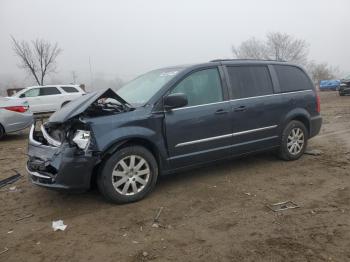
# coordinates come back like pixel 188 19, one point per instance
pixel 283 47
pixel 38 57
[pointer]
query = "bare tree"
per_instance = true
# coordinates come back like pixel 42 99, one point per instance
pixel 251 49
pixel 277 46
pixel 284 47
pixel 39 59
pixel 321 71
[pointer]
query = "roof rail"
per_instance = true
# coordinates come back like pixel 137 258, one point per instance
pixel 246 59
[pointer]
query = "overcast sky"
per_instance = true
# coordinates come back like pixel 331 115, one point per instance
pixel 129 37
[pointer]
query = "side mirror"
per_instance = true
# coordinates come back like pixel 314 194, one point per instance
pixel 175 100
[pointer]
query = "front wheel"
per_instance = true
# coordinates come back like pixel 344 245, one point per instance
pixel 293 141
pixel 128 175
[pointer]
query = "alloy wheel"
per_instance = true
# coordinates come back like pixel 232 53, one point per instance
pixel 130 175
pixel 295 141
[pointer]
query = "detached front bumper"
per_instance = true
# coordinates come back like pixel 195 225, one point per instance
pixel 62 168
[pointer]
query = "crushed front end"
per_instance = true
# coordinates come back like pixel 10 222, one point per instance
pixel 63 152
pixel 61 157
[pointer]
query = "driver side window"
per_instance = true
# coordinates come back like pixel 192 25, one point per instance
pixel 201 87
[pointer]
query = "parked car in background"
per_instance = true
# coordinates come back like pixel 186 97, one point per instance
pixel 15 115
pixel 49 98
pixel 173 119
pixel 344 88
pixel 329 85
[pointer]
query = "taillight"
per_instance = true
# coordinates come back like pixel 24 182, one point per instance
pixel 18 109
pixel 318 103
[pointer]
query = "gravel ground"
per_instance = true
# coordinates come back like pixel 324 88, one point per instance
pixel 216 213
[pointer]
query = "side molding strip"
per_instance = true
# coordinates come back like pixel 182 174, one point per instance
pixel 225 136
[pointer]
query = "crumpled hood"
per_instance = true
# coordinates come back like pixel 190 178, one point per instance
pixel 80 104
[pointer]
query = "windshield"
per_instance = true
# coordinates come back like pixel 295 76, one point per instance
pixel 138 91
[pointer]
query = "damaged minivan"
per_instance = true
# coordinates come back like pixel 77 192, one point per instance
pixel 173 119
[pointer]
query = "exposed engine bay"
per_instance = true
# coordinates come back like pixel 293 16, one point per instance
pixel 75 130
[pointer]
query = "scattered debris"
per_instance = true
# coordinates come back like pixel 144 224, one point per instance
pixel 11 179
pixel 155 225
pixel 4 251
pixel 58 225
pixel 24 217
pixel 10 232
pixel 135 242
pixel 283 206
pixel 124 235
pixel 313 152
pixel 144 253
pixel 248 194
pixel 156 218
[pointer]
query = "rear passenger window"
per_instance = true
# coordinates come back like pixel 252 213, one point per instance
pixel 249 81
pixel 292 78
pixel 47 91
pixel 69 89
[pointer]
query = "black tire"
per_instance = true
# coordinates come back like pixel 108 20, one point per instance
pixel 284 153
pixel 2 132
pixel 64 103
pixel 104 179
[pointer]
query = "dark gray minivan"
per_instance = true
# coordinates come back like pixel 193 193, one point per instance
pixel 172 119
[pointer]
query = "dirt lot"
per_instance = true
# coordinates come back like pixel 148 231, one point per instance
pixel 216 213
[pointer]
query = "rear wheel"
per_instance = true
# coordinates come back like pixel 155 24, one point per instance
pixel 294 141
pixel 128 175
pixel 2 132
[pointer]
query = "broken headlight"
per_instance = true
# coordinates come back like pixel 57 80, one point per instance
pixel 82 139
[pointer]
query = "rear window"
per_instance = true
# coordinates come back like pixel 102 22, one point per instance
pixel 69 89
pixel 292 78
pixel 249 81
pixel 47 91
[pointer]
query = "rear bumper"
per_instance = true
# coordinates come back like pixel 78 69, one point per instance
pixel 315 125
pixel 16 121
pixel 59 168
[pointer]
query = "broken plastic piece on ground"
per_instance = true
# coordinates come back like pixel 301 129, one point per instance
pixel 313 152
pixel 11 179
pixel 156 218
pixel 58 225
pixel 4 251
pixel 24 217
pixel 283 206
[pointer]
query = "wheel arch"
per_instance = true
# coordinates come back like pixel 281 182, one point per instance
pixel 130 141
pixel 299 115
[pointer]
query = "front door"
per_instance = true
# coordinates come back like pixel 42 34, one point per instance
pixel 200 131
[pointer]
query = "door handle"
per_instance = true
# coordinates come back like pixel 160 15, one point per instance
pixel 240 109
pixel 221 111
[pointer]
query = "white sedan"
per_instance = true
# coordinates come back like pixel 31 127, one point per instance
pixel 15 115
pixel 49 98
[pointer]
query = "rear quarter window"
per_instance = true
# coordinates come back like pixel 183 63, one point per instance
pixel 48 91
pixel 69 89
pixel 292 78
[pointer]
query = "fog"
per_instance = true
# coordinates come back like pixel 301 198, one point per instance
pixel 125 38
